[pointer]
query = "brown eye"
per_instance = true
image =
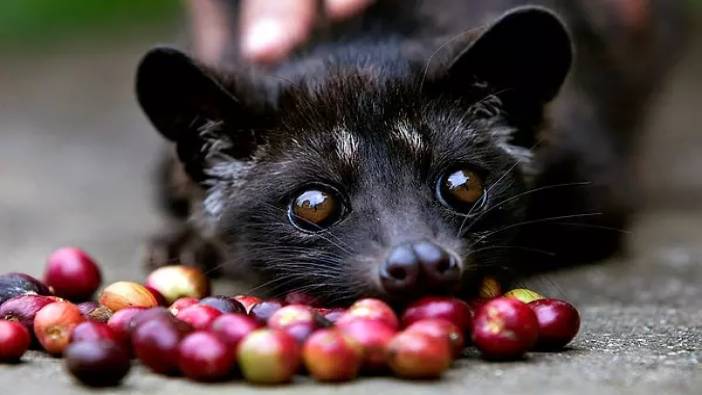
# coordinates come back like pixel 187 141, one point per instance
pixel 315 209
pixel 462 190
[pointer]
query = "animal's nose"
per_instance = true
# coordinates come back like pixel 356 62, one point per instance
pixel 415 266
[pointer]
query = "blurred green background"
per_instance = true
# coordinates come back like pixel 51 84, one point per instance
pixel 43 22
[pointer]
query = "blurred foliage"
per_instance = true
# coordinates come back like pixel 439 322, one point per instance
pixel 44 21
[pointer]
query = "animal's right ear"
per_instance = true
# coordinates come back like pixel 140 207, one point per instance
pixel 187 104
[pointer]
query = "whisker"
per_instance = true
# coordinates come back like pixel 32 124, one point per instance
pixel 522 194
pixel 535 221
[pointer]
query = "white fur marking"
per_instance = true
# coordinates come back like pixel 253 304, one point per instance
pixel 346 146
pixel 404 133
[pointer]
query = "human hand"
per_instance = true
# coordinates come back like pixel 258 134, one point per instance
pixel 272 29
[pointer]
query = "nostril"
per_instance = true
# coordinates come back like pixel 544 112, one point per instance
pixel 444 265
pixel 439 267
pixel 397 273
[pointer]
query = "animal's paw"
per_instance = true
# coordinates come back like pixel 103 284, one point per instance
pixel 182 246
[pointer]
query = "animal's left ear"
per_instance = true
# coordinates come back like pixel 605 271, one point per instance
pixel 523 57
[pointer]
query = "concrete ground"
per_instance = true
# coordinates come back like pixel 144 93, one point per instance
pixel 75 154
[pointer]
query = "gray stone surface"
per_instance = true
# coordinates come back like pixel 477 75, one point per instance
pixel 75 154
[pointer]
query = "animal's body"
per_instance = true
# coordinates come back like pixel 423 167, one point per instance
pixel 413 149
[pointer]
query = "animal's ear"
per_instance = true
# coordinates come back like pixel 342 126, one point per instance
pixel 190 107
pixel 523 57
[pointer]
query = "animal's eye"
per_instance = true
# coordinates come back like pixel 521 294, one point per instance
pixel 461 190
pixel 315 209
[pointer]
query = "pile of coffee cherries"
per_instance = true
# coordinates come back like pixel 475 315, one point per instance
pixel 172 325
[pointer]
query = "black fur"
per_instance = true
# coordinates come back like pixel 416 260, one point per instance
pixel 335 115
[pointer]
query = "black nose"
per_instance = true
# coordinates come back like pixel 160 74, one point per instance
pixel 416 266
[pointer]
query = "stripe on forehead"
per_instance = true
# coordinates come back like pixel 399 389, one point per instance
pixel 407 135
pixel 346 145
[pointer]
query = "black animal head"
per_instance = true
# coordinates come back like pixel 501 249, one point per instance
pixel 370 178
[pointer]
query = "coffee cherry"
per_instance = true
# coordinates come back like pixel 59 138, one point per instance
pixel 417 355
pixel 174 282
pixel 224 304
pixel 329 355
pixel 332 315
pixel 202 356
pixel 247 301
pixel 157 295
pixel 181 304
pixel 504 328
pixel 53 325
pixel 120 322
pixel 123 294
pixel 268 356
pixel 14 340
pixel 199 316
pixel 17 284
pixel 450 309
pixel 155 343
pixel 523 295
pixel 232 328
pixel 442 329
pixel 97 363
pixel 263 311
pixel 297 320
pixel 490 288
pixel 90 331
pixel 72 274
pixel 23 309
pixel 371 309
pixel 373 336
pixel 558 320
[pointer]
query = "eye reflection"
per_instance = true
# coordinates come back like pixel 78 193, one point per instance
pixel 461 189
pixel 314 209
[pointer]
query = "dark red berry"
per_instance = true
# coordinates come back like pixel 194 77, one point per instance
pixel 373 336
pixel 16 284
pixel 450 309
pixel 370 309
pixel 262 311
pixel 23 309
pixel 417 355
pixel 89 331
pixel 199 316
pixel 155 343
pixel 182 303
pixel 72 274
pixel 329 355
pixel 145 315
pixel 439 327
pixel 224 304
pixel 232 328
pixel 505 328
pixel 297 297
pixel 120 323
pixel 558 320
pixel 204 357
pixel 14 340
pixel 97 363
